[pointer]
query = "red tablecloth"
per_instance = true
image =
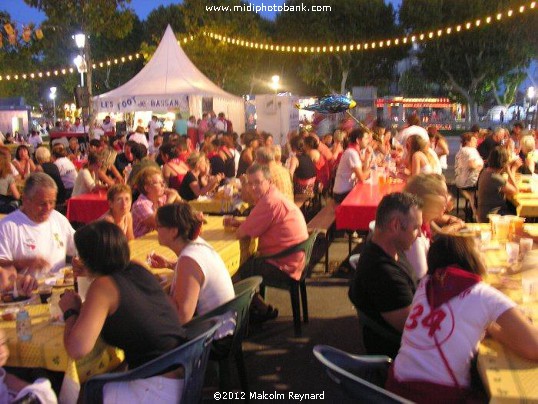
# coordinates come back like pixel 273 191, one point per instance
pixel 358 209
pixel 86 207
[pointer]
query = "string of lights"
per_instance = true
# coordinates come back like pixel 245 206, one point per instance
pixel 350 47
pixel 363 46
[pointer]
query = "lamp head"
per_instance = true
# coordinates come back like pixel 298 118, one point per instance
pixel 80 40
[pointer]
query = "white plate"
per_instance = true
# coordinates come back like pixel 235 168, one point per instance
pixel 17 303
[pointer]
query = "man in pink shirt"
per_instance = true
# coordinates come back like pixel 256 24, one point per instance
pixel 278 224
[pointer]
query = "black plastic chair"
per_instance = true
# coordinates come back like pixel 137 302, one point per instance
pixel 193 356
pixel 361 377
pixel 293 285
pixel 244 291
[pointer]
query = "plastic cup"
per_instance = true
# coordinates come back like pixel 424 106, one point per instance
pixel 512 251
pixel 501 228
pixel 525 245
pixel 485 237
pixel 227 222
pixel 382 178
pixel 45 292
pixel 83 285
pixel 516 224
pixel 530 289
pixel 493 219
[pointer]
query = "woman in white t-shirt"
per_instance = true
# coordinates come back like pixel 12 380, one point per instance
pixel 451 311
pixel 201 281
pixel 88 178
pixel 352 166
pixel 468 162
pixel 68 171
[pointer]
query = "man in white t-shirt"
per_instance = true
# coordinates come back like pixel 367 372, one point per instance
pixel 36 238
pixel 154 127
pixel 413 128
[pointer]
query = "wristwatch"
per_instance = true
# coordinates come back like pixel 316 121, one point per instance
pixel 70 312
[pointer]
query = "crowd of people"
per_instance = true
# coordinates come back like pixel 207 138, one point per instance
pixel 149 179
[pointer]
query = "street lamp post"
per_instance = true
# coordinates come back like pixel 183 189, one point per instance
pixel 80 60
pixel 84 65
pixel 52 96
pixel 81 67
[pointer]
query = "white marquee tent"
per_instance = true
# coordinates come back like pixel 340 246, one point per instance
pixel 171 82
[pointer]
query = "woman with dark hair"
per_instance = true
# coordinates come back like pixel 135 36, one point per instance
pixel 9 194
pixel 354 164
pixel 323 171
pixel 451 311
pixel 125 305
pixel 174 169
pixel 22 162
pixel 198 181
pixel 250 139
pixel 493 188
pixel 302 168
pixel 201 281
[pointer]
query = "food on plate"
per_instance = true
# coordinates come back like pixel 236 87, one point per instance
pixel 10 314
pixel 8 298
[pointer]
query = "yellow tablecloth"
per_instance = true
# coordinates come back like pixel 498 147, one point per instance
pixel 232 251
pixel 217 206
pixel 506 376
pixel 526 202
pixel 46 350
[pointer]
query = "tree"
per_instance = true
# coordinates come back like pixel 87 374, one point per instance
pixel 229 66
pixel 470 61
pixel 111 19
pixel 348 21
pixel 158 20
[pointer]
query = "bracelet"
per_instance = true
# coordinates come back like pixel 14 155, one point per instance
pixel 69 313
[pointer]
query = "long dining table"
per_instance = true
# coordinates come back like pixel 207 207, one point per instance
pixel 526 200
pixel 86 208
pixel 358 209
pixel 506 376
pixel 232 251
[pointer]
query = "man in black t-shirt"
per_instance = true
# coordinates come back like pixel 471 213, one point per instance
pixel 491 142
pixel 384 284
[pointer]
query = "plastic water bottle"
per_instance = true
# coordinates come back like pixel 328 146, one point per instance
pixel 24 325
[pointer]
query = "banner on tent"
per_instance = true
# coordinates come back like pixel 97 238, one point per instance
pixel 159 103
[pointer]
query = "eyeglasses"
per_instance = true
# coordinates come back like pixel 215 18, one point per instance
pixel 256 183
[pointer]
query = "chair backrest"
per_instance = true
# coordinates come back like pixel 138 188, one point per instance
pixel 244 291
pixel 192 355
pixel 361 377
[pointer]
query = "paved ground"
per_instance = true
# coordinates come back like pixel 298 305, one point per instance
pixel 278 361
